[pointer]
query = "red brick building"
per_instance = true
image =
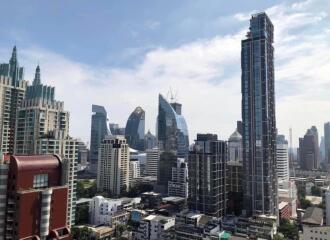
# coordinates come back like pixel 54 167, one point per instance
pixel 284 210
pixel 35 201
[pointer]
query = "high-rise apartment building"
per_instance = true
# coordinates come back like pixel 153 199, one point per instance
pixel 42 127
pixel 167 160
pixel 178 186
pixel 327 142
pixel 150 140
pixel 99 129
pixel 235 147
pixel 134 169
pixel 258 117
pixel 309 150
pixel 172 128
pixel 327 207
pixel 207 176
pixel 135 128
pixel 152 161
pixel 282 158
pixel 33 198
pixel 12 92
pixel 113 167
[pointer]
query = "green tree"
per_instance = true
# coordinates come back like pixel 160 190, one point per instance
pixel 316 191
pixel 83 233
pixel 82 214
pixel 278 237
pixel 289 230
pixel 304 203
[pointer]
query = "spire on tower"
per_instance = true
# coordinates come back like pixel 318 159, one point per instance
pixel 37 79
pixel 14 55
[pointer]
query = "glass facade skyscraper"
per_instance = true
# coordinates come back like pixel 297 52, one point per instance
pixel 99 129
pixel 172 129
pixel 135 128
pixel 258 115
pixel 327 142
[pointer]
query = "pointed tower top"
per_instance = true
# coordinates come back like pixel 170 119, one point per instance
pixel 13 55
pixel 37 79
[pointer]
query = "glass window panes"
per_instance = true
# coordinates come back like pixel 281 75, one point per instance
pixel 40 181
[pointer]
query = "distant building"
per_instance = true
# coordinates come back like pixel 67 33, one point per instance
pixel 99 129
pixel 150 141
pixel 309 150
pixel 178 186
pixel 207 176
pixel 151 200
pixel 102 211
pixel 327 142
pixel 152 161
pixel 322 150
pixel 172 128
pixel 152 226
pixel 258 117
pixel 235 147
pixel 34 198
pixel 113 167
pixel 135 129
pixel 134 169
pixel 12 93
pixel 282 158
pixel 115 129
pixel 192 225
pixel 167 160
pixel 83 156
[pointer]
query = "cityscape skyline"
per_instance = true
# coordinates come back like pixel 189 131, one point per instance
pixel 205 72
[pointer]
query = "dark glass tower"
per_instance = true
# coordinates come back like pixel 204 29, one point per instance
pixel 135 128
pixel 172 129
pixel 258 115
pixel 99 129
pixel 207 176
pixel 309 150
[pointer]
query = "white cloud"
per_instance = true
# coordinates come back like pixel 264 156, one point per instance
pixel 206 75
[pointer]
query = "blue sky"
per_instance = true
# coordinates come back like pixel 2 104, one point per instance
pixel 121 54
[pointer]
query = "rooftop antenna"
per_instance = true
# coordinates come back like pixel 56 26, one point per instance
pixel 173 96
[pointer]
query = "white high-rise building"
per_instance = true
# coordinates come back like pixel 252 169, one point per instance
pixel 282 158
pixel 327 207
pixel 152 161
pixel 113 165
pixel 134 169
pixel 235 147
pixel 179 184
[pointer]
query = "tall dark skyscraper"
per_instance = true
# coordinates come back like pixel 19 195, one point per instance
pixel 207 175
pixel 258 116
pixel 172 128
pixel 309 150
pixel 327 142
pixel 135 128
pixel 99 129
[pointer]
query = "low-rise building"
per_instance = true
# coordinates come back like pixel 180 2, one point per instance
pixel 313 217
pixel 151 199
pixel 102 210
pixel 316 233
pixel 284 210
pixel 152 226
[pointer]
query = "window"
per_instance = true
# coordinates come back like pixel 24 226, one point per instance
pixel 40 181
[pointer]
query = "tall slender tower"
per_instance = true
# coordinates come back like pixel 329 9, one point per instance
pixel 258 115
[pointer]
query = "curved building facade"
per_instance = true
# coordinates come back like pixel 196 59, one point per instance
pixel 135 128
pixel 99 129
pixel 172 129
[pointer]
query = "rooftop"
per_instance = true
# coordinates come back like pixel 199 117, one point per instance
pixel 313 215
